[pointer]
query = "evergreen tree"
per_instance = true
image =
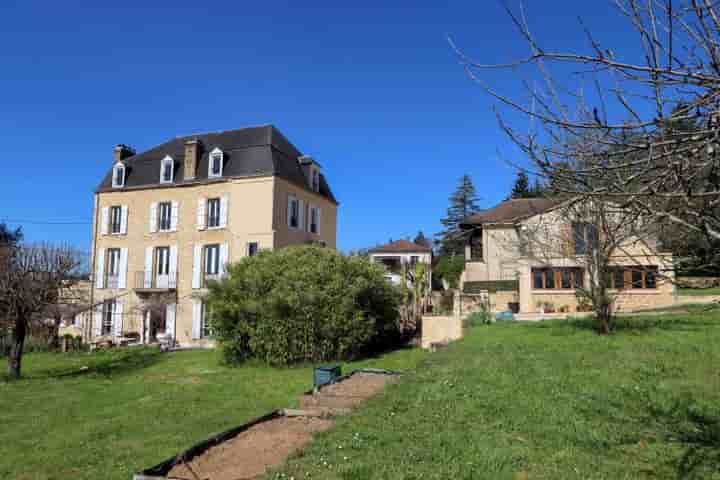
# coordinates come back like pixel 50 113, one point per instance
pixel 421 240
pixel 521 188
pixel 463 203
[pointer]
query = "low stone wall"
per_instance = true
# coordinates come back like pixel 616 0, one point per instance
pixel 698 282
pixel 440 330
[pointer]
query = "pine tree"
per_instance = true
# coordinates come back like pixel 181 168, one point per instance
pixel 463 203
pixel 521 188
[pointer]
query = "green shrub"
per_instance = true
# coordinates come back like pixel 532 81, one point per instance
pixel 481 317
pixel 449 268
pixel 303 304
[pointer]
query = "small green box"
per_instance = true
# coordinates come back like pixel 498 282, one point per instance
pixel 325 374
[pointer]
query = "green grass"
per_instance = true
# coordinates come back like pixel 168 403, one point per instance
pixel 693 292
pixel 550 400
pixel 133 408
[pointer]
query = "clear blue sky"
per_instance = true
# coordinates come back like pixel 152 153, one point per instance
pixel 373 91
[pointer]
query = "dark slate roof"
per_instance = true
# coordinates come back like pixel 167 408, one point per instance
pixel 511 211
pixel 251 151
pixel 401 246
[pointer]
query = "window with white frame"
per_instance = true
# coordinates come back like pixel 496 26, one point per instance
pixel 108 312
pixel 215 163
pixel 205 326
pixel 164 216
pixel 293 212
pixel 213 212
pixel 113 267
pixel 315 180
pixel 118 176
pixel 167 170
pixel 115 219
pixel 252 248
pixel 212 260
pixel 162 258
pixel 314 220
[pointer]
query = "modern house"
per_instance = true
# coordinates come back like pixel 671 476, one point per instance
pixel 505 263
pixel 168 220
pixel 395 254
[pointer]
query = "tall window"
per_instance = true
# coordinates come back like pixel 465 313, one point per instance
pixel 205 330
pixel 293 212
pixel 115 219
pixel 164 216
pixel 166 170
pixel 314 219
pixel 108 312
pixel 476 246
pixel 215 166
pixel 162 256
pixel 558 278
pixel 213 212
pixel 212 259
pixel 118 178
pixel 252 249
pixel 585 236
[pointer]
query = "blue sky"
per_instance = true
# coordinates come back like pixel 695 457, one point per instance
pixel 372 91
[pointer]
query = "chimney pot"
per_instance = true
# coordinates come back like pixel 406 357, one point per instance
pixel 192 148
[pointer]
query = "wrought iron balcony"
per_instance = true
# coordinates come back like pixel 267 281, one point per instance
pixel 151 281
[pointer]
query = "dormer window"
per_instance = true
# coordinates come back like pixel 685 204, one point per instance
pixel 315 180
pixel 167 170
pixel 215 165
pixel 118 177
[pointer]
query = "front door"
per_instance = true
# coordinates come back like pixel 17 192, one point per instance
pixel 157 324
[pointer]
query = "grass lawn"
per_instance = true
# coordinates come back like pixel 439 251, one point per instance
pixel 548 400
pixel 693 292
pixel 136 407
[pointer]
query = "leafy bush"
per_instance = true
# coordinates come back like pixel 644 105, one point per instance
pixel 481 317
pixel 33 343
pixel 303 304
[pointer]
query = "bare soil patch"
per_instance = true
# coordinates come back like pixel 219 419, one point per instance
pixel 267 444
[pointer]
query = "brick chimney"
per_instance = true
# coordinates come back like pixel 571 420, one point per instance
pixel 191 159
pixel 121 152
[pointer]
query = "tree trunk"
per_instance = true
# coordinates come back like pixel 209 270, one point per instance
pixel 16 349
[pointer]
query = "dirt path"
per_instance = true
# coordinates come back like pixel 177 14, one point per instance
pixel 267 444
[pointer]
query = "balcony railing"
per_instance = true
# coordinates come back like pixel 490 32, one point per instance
pixel 207 278
pixel 153 281
pixel 112 281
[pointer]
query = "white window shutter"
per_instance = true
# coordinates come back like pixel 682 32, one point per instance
pixel 100 269
pixel 170 320
pixel 123 219
pixel 223 258
pixel 289 211
pixel 104 220
pixel 174 215
pixel 148 267
pixel 122 276
pixel 118 318
pixel 318 219
pixel 201 211
pixel 153 217
pixel 173 263
pixel 197 267
pixel 196 319
pixel 224 200
pixel 97 321
pixel 301 215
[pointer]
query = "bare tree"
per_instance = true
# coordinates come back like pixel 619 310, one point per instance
pixel 32 278
pixel 595 236
pixel 642 132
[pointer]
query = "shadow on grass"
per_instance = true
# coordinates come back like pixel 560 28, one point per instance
pixel 698 431
pixel 114 362
pixel 644 323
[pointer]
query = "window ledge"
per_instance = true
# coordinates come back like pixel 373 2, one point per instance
pixel 553 291
pixel 215 228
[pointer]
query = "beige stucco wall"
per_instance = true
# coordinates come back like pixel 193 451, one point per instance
pixel 440 330
pixel 284 235
pixel 257 209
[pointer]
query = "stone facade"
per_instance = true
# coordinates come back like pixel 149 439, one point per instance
pixel 256 213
